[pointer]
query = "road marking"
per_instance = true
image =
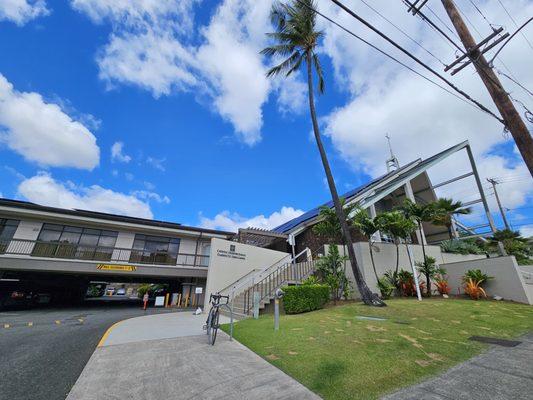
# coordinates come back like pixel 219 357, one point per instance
pixel 106 334
pixel 6 326
pixel 80 319
pixel 30 323
pixel 58 322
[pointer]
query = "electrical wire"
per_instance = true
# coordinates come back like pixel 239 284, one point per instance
pixel 403 32
pixel 515 24
pixel 473 102
pixel 481 13
pixel 409 54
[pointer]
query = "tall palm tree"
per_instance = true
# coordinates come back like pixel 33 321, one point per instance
pixel 296 38
pixel 419 213
pixel 445 209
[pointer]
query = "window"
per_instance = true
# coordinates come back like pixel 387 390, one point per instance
pixel 74 242
pixel 155 249
pixel 7 230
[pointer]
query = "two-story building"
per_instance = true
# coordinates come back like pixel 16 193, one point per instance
pixel 69 248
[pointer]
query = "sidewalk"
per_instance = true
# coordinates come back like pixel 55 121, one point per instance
pixel 502 373
pixel 167 356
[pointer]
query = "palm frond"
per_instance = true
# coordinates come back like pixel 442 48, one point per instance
pixel 278 49
pixel 286 66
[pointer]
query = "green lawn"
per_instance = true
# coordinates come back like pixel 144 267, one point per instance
pixel 341 357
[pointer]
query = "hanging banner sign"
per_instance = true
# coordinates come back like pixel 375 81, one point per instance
pixel 114 267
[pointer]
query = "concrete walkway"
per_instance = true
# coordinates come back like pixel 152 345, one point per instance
pixel 168 356
pixel 502 373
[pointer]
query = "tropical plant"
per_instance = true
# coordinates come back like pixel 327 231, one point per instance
pixel 385 287
pixel 461 246
pixel 396 225
pixel 311 280
pixel 368 226
pixel 514 245
pixel 419 213
pixel 476 276
pixel 441 281
pixel 392 276
pixel 296 39
pixel 407 284
pixel 474 289
pixel 444 211
pixel 329 226
pixel 428 269
pixel 331 269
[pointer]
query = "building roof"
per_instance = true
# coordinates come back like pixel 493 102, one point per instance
pixel 376 189
pixel 106 216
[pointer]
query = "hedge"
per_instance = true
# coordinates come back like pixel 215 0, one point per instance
pixel 304 298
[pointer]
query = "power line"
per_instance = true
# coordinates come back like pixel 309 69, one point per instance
pixel 388 39
pixel 480 12
pixel 475 105
pixel 403 32
pixel 515 24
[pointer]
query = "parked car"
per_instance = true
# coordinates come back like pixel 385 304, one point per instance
pixel 121 292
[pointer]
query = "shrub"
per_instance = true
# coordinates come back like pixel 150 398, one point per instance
pixel 311 280
pixel 385 287
pixel 407 283
pixel 428 269
pixel 463 246
pixel 474 289
pixel 441 281
pixel 331 268
pixel 304 298
pixel 476 276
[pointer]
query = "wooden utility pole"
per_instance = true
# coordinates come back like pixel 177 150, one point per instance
pixel 494 182
pixel 511 117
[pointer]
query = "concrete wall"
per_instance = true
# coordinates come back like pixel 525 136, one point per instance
pixel 508 281
pixel 226 266
pixel 385 259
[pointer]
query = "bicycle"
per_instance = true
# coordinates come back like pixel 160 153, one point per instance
pixel 211 325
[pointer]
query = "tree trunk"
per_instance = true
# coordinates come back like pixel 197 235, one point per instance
pixel 450 233
pixel 397 255
pixel 372 259
pixel 422 240
pixel 367 296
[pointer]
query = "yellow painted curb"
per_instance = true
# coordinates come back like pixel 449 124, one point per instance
pixel 106 334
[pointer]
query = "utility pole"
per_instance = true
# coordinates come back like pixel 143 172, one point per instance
pixel 511 117
pixel 494 183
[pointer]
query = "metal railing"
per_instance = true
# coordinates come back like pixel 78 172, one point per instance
pixel 35 248
pixel 266 287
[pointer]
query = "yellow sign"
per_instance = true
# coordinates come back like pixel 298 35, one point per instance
pixel 114 267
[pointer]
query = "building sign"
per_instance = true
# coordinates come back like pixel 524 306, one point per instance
pixel 114 267
pixel 231 253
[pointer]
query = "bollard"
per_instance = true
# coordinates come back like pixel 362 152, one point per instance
pixel 279 295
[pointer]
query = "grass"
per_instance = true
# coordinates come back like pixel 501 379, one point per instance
pixel 341 357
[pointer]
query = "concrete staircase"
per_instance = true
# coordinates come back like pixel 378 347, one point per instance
pixel 261 285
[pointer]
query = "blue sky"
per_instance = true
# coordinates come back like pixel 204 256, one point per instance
pixel 200 136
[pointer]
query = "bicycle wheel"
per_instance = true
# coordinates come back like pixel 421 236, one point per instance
pixel 209 323
pixel 214 328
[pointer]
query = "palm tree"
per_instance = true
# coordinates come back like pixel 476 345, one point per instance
pixel 445 209
pixel 296 39
pixel 395 224
pixel 419 213
pixel 368 226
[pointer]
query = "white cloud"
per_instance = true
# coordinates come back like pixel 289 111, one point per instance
pixel 527 231
pixel 129 176
pixel 229 221
pixel 44 189
pixel 384 97
pixel 42 132
pixel 118 154
pixel 153 46
pixel 157 163
pixel 22 11
pixel 147 195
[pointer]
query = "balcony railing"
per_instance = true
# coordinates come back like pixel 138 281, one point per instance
pixel 71 251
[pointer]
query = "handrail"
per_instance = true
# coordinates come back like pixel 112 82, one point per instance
pixel 234 284
pixel 76 251
pixel 257 274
